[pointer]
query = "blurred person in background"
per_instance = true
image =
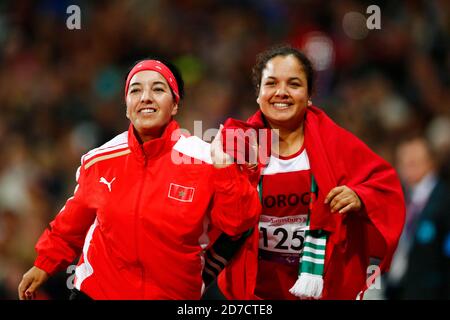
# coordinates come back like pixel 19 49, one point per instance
pixel 144 203
pixel 329 203
pixel 421 265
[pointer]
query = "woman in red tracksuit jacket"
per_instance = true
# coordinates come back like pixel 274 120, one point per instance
pixel 145 203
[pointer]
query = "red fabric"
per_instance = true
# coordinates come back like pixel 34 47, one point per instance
pixel 337 158
pixel 236 139
pixel 158 66
pixel 135 240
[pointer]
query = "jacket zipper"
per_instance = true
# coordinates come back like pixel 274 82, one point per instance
pixel 136 223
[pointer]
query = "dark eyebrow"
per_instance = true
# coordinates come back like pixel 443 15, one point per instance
pixel 160 82
pixel 290 79
pixel 156 82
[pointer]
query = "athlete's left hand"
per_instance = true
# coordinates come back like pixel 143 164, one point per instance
pixel 343 199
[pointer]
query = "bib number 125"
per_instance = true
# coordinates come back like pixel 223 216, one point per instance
pixel 287 237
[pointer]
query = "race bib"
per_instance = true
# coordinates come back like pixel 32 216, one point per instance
pixel 282 235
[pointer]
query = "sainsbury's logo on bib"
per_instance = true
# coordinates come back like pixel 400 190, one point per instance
pixel 181 193
pixel 278 221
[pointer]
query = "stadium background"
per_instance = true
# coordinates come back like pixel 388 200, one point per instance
pixel 61 90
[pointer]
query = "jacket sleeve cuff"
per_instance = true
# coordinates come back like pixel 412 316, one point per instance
pixel 227 173
pixel 48 265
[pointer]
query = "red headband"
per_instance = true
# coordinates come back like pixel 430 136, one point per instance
pixel 158 66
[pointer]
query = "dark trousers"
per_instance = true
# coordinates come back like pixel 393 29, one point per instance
pixel 78 295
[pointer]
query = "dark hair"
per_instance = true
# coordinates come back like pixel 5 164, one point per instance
pixel 282 50
pixel 176 73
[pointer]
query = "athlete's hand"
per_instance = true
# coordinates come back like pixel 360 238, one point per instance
pixel 254 154
pixel 219 158
pixel 343 199
pixel 31 281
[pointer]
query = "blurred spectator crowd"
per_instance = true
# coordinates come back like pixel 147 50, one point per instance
pixel 61 90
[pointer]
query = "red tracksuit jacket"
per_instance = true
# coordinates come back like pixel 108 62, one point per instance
pixel 140 217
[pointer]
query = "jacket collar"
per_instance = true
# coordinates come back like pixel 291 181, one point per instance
pixel 154 148
pixel 257 120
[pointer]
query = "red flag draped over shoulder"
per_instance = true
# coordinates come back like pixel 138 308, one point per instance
pixel 337 158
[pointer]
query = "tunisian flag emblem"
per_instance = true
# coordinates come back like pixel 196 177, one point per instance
pixel 181 193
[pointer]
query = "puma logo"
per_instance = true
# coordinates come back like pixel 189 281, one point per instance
pixel 103 180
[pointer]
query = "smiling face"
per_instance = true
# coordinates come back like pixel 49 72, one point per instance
pixel 283 94
pixel 150 104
